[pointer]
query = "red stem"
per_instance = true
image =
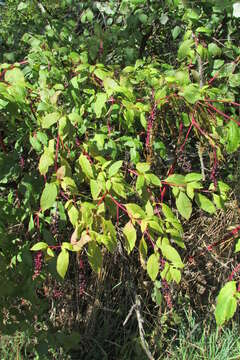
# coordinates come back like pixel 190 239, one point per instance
pixel 224 115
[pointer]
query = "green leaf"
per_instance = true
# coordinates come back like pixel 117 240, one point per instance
pixel 67 246
pixel 39 246
pixel 46 159
pixel 193 177
pixel 73 214
pixel 96 188
pixel 15 77
pixel 94 256
pixel 153 266
pixel 99 104
pixel 22 5
pixel 226 303
pixel 233 137
pixel 176 31
pixel 143 251
pixel 236 9
pixel 204 203
pixel 135 211
pixel 176 179
pixel 191 93
pixel 172 255
pixel 214 50
pixel 184 205
pixel 50 119
pixel 143 18
pixel 153 179
pixel 110 86
pixel 86 166
pixel 185 49
pixel 62 262
pixel 50 252
pixel 114 168
pixel 131 236
pixel 49 196
pixel 119 189
pixel 237 247
pixel 176 274
pixel 190 191
pixel 140 182
pixel 143 167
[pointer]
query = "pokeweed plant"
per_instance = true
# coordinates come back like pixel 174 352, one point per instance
pixel 94 141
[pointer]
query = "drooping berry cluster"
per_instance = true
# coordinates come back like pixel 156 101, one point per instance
pixel 38 259
pixel 167 294
pixel 54 223
pixel 184 163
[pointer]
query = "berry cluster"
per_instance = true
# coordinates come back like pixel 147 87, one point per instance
pixel 38 259
pixel 184 163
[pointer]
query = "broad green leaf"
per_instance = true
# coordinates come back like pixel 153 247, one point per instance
pixel 143 252
pixel 110 86
pixel 176 31
pixel 114 168
pixel 168 212
pixel 67 246
pixel 214 50
pixel 233 137
pixel 193 177
pixel 62 262
pixel 143 18
pixel 226 303
pixel 143 167
pixel 184 205
pixel 22 5
pixel 14 76
pixel 50 252
pixel 96 188
pixel 204 203
pixel 236 9
pixel 46 160
pixel 119 189
pixel 140 182
pixel 49 196
pixel 176 274
pixel 172 255
pixel 153 266
pixel 135 211
pixel 50 119
pixel 154 225
pixel 99 104
pixel 237 247
pixel 149 209
pixel 35 143
pixel 86 166
pixel 185 49
pixel 153 179
pixel 94 256
pixel 39 246
pixel 191 93
pixel 171 218
pixel 176 179
pixel 190 191
pixel 73 214
pixel 131 236
pixel 69 184
pixel 218 201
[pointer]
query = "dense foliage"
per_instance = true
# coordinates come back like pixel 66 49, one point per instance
pixel 112 139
